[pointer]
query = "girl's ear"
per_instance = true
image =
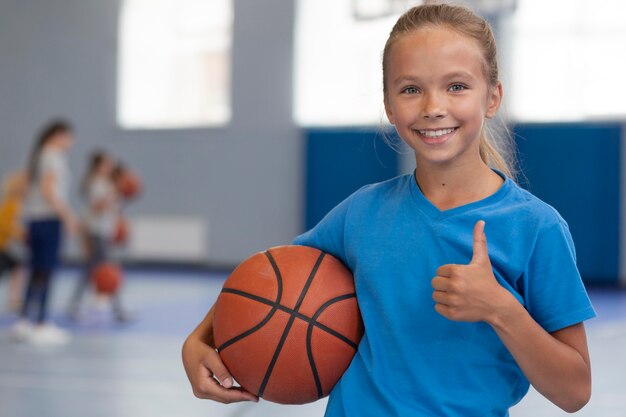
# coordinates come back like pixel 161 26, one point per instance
pixel 388 111
pixel 494 101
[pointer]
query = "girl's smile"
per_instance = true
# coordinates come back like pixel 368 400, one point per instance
pixel 435 136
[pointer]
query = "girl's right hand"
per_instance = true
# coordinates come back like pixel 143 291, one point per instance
pixel 71 224
pixel 207 373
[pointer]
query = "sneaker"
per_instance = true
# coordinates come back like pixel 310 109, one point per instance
pixel 124 316
pixel 50 335
pixel 22 330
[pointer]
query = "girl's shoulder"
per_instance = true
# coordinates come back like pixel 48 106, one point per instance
pixel 51 158
pixel 533 210
pixel 395 186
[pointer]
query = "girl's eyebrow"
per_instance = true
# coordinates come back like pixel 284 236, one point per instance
pixel 460 74
pixel 454 74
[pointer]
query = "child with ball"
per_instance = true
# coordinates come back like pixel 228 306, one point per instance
pixel 467 284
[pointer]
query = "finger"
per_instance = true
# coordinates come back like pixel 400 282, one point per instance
pixel 440 283
pixel 442 309
pixel 440 297
pixel 210 389
pixel 243 395
pixel 219 371
pixel 480 253
pixel 445 271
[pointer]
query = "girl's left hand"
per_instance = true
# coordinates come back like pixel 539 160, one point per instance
pixel 470 292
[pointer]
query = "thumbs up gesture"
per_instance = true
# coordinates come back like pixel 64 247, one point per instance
pixel 469 292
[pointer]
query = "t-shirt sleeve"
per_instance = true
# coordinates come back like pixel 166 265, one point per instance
pixel 328 234
pixel 49 164
pixel 555 294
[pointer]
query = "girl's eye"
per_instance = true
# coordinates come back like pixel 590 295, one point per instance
pixel 457 87
pixel 410 90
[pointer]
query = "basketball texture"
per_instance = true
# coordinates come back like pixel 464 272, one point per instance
pixel 287 323
pixel 107 278
pixel 120 235
pixel 128 184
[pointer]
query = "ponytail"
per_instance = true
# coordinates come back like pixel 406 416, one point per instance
pixel 47 133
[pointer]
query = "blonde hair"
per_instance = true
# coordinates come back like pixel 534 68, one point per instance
pixel 496 154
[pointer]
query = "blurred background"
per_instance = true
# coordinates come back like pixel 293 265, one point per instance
pixel 247 120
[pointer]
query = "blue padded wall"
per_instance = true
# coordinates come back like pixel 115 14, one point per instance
pixel 340 161
pixel 576 169
pixel 573 167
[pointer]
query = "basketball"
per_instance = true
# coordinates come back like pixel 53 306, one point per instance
pixel 128 184
pixel 287 323
pixel 107 278
pixel 120 235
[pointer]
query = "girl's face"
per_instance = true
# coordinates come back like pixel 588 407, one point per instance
pixel 105 168
pixel 63 140
pixel 437 95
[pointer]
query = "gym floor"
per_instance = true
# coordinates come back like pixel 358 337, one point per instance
pixel 135 369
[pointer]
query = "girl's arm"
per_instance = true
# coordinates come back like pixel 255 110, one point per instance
pixel 48 181
pixel 207 373
pixel 556 364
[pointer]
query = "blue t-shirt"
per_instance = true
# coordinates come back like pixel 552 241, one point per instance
pixel 411 360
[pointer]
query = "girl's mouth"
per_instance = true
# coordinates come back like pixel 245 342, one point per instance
pixel 436 136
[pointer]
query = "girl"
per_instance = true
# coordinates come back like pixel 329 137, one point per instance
pixel 453 327
pixel 101 215
pixel 46 209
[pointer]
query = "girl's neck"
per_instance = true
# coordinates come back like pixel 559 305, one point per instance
pixel 446 187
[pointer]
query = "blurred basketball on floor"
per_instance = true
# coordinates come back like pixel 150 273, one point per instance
pixel 287 323
pixel 107 278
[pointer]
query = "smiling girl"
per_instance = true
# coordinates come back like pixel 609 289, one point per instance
pixel 453 326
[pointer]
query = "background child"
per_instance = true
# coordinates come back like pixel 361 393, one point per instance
pixel 452 327
pixel 101 214
pixel 46 209
pixel 12 236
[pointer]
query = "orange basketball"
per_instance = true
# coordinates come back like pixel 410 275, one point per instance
pixel 287 323
pixel 120 235
pixel 128 184
pixel 107 278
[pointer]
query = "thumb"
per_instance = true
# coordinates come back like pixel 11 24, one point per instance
pixel 223 376
pixel 218 369
pixel 481 254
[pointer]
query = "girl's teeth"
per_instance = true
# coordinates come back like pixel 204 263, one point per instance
pixel 436 133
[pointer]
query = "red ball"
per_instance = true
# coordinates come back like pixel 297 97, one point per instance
pixel 128 184
pixel 287 323
pixel 107 278
pixel 120 235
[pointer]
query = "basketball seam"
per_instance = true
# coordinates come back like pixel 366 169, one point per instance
pixel 299 315
pixel 283 338
pixel 275 304
pixel 309 336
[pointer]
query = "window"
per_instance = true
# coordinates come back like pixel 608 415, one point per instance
pixel 568 58
pixel 174 63
pixel 338 57
pixel 338 75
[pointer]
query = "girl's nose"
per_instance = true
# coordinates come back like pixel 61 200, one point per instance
pixel 433 107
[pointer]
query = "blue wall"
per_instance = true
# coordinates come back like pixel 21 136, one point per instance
pixel 573 167
pixel 339 162
pixel 576 169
